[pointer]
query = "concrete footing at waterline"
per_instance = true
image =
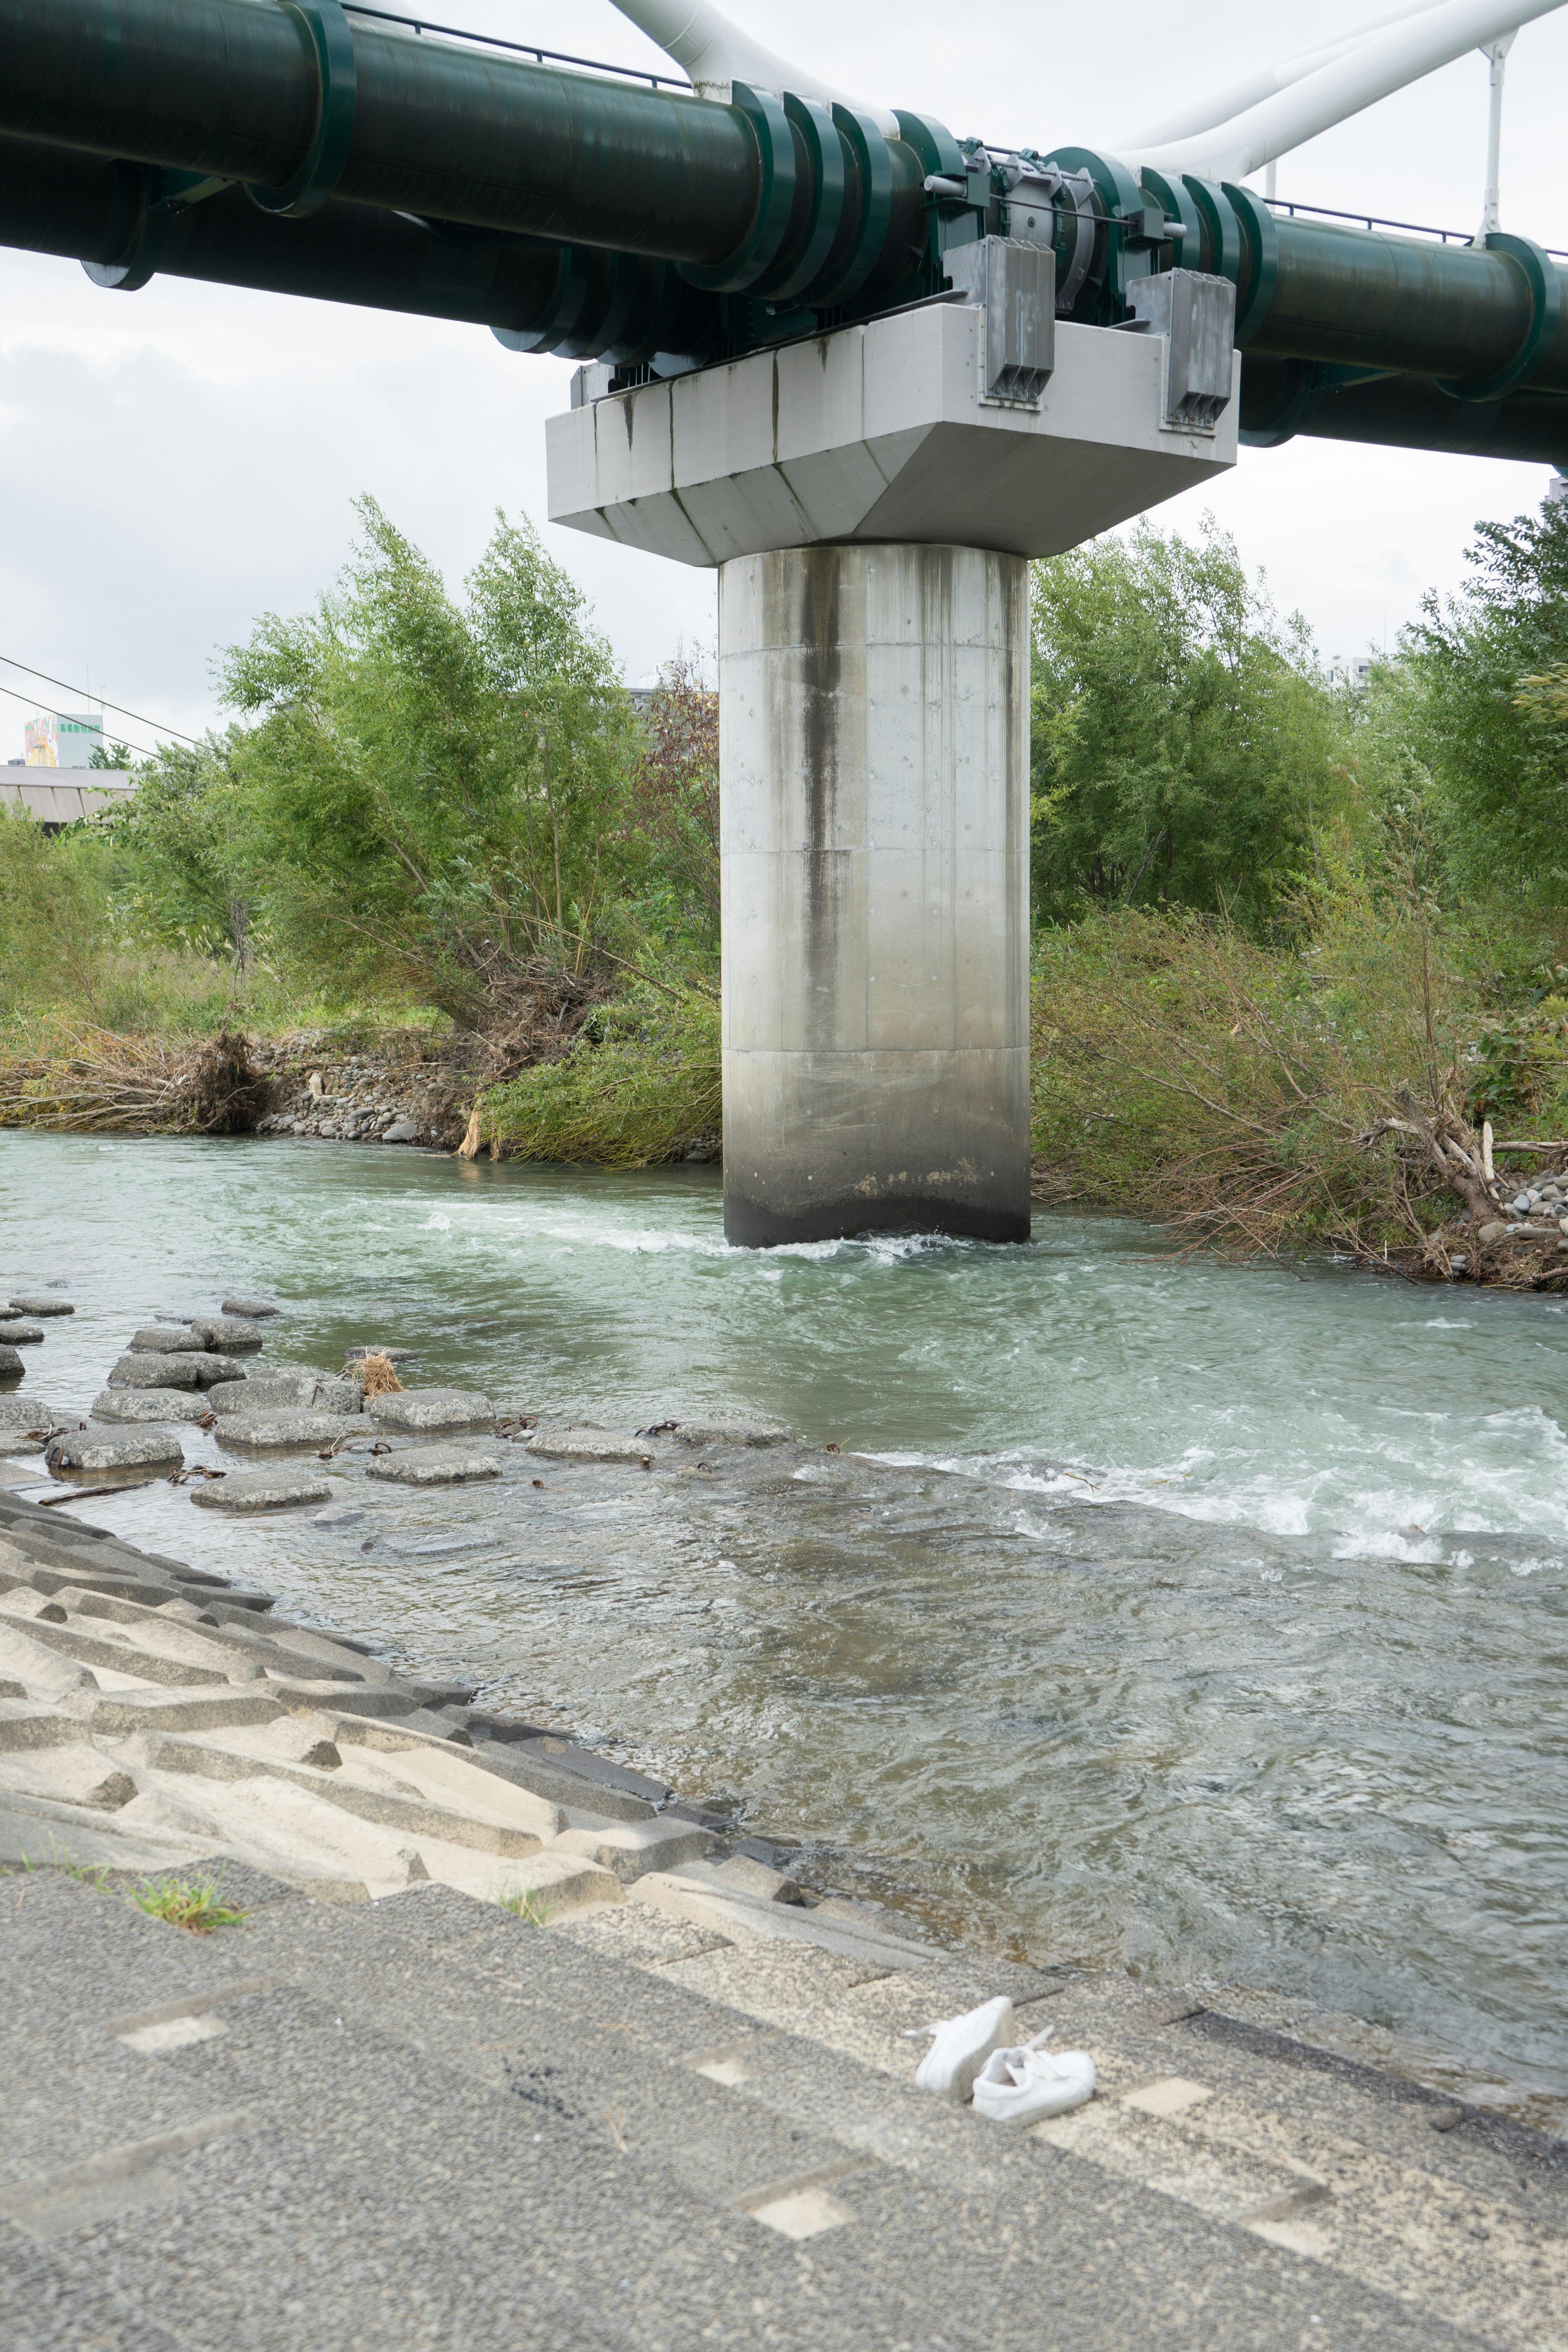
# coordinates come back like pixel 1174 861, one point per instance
pixel 874 750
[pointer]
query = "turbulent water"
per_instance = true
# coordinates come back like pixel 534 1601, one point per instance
pixel 1207 1618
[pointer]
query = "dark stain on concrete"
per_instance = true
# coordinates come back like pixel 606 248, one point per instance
pixel 821 663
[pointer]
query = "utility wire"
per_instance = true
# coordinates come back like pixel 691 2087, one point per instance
pixel 32 701
pixel 87 695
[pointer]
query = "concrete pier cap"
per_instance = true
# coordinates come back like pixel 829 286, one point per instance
pixel 871 512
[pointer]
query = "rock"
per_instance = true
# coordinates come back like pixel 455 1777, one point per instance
pixel 151 1404
pixel 416 1409
pixel 226 1335
pixel 289 1427
pixel 585 1443
pixel 401 1130
pixel 1492 1233
pixel 11 1365
pixel 165 1339
pixel 45 1306
pixel 724 1432
pixel 91 1449
pixel 32 1412
pixel 14 1333
pixel 1520 1204
pixel 176 1370
pixel 277 1390
pixel 261 1490
pixel 435 1465
pixel 249 1310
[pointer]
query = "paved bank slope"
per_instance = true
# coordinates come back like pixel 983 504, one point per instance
pixel 681 2113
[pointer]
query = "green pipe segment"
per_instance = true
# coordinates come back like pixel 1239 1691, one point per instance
pixel 1280 397
pixel 115 218
pixel 233 88
pixel 789 212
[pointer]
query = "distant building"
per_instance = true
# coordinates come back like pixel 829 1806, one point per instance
pixel 59 739
pixel 71 794
pixel 1357 674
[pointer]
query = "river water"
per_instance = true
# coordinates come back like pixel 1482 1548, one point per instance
pixel 1206 1618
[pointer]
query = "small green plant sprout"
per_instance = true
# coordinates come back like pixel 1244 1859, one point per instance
pixel 193 1903
pixel 89 1873
pixel 525 1904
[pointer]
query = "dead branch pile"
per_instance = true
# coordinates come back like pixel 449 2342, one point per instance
pixel 377 1376
pixel 1183 1074
pixel 101 1082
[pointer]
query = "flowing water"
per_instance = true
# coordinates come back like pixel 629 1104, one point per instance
pixel 1206 1618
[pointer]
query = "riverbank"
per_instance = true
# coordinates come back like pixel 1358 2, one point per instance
pixel 484 1908
pixel 910 1663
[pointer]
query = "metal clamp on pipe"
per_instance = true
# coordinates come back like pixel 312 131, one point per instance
pixel 318 175
pixel 1541 275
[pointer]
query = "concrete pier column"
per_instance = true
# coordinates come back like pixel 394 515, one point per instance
pixel 874 749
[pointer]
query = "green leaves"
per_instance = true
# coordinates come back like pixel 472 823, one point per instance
pixel 437 787
pixel 1184 746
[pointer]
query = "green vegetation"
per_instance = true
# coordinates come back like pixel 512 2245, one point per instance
pixel 1296 944
pixel 193 1904
pixel 525 1904
pixel 1186 750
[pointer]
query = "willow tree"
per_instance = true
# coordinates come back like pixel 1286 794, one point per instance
pixel 437 786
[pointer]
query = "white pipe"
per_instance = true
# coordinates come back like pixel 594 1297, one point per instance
pixel 1223 105
pixel 1497 53
pixel 1389 62
pixel 713 53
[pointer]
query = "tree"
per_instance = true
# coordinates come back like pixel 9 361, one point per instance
pixel 1185 747
pixel 674 804
pixel 184 834
pixel 1489 723
pixel 435 791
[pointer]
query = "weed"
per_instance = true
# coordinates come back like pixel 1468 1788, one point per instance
pixel 95 1875
pixel 193 1903
pixel 524 1903
pixel 640 1086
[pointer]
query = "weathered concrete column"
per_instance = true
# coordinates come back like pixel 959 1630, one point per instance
pixel 874 740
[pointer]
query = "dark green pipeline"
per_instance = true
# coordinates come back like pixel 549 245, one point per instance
pixel 579 301
pixel 771 195
pixel 1280 398
pixel 673 223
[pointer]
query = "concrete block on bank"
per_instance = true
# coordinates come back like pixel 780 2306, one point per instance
pixel 724 1432
pixel 747 1876
pixel 211 1710
pixel 17 1333
pixel 421 1409
pixel 44 1303
pixel 529 1767
pixel 25 1725
pixel 151 1404
pixel 436 1466
pixel 261 1490
pixel 91 1449
pixel 630 1849
pixel 11 1365
pixel 248 1310
pixel 557 1883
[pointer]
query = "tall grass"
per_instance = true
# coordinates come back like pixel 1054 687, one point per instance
pixel 640 1086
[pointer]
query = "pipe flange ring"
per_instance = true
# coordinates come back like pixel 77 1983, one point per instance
pixel 1545 285
pixel 760 247
pixel 318 175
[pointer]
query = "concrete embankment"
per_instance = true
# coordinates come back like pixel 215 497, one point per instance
pixel 507 2048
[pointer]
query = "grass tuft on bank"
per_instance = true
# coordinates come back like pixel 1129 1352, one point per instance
pixel 639 1086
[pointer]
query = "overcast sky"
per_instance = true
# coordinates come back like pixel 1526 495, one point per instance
pixel 178 460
